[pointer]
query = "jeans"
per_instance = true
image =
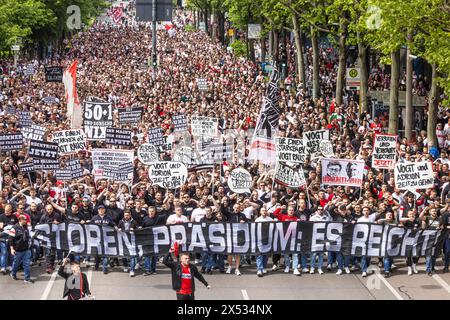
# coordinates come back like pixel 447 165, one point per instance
pixel 331 257
pixel 104 262
pixel 313 260
pixel 430 262
pixel 343 261
pixel 287 260
pixel 4 255
pixel 261 261
pixel 388 262
pixel 447 254
pixel 411 260
pixel 25 258
pixel 132 264
pixel 207 261
pixel 304 258
pixel 365 263
pixel 150 263
pixel 185 296
pixel 219 261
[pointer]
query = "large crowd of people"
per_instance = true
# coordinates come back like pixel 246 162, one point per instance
pixel 113 66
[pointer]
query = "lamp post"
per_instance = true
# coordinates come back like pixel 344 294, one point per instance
pixel 15 49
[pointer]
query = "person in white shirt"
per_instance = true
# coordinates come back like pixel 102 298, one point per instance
pixel 261 259
pixel 319 216
pixel 177 217
pixel 200 212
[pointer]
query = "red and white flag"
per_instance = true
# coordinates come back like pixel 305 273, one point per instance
pixel 117 14
pixel 73 104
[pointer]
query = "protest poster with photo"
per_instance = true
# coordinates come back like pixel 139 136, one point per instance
pixel 105 158
pixel 11 142
pixel 97 117
pixel 54 74
pixel 202 84
pixel 290 150
pixel 204 126
pixel 24 119
pixel 185 155
pixel 147 153
pixel 34 132
pixel 43 150
pixel 118 137
pixel 342 172
pixel 130 115
pixel 26 167
pixel 289 176
pixel 384 151
pixel 75 168
pixel 313 139
pixel 180 122
pixel 414 175
pixel 155 136
pixel 45 164
pixel 240 181
pixel 168 174
pixel 326 149
pixel 63 174
pixel 70 141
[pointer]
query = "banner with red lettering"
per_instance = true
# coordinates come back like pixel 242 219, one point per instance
pixel 342 172
pixel 384 151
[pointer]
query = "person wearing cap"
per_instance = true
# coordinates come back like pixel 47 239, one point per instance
pixel 76 286
pixel 19 243
pixel 183 274
pixel 104 220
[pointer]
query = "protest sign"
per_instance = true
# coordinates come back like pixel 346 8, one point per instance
pixel 350 239
pixel 50 100
pixel 130 115
pixel 43 150
pixel 147 153
pixel 45 164
pixel 53 74
pixel 26 167
pixel 240 181
pixel 326 149
pixel 11 142
pixel 63 174
pixel 102 159
pixel 10 110
pixel 167 144
pixel 289 176
pixel 116 174
pixel 384 151
pixel 155 136
pixel 119 137
pixel 70 141
pixel 414 175
pixel 29 71
pixel 168 174
pixel 202 84
pixel 185 155
pixel 24 119
pixel 180 122
pixel 204 126
pixel 342 172
pixel 34 132
pixel 75 168
pixel 97 117
pixel 313 139
pixel 290 150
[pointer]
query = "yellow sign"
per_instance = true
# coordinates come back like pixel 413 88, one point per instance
pixel 231 32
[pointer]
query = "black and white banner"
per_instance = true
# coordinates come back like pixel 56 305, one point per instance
pixel 155 137
pixel 97 117
pixel 43 150
pixel 130 115
pixel 24 119
pixel 104 159
pixel 313 139
pixel 202 84
pixel 384 151
pixel 360 239
pixel 118 137
pixel 53 74
pixel 26 167
pixel 11 142
pixel 414 175
pixel 292 177
pixel 64 174
pixel 180 122
pixel 34 132
pixel 45 164
pixel 75 168
pixel 204 126
pixel 70 141
pixel 290 150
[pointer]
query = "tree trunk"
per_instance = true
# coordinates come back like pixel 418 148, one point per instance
pixel 342 66
pixel 263 48
pixel 251 47
pixel 433 100
pixel 315 47
pixel 408 103
pixel 275 48
pixel 299 50
pixel 393 99
pixel 206 20
pixel 362 56
pixel 221 27
pixel 271 43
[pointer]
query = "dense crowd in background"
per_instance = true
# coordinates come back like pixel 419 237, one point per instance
pixel 111 59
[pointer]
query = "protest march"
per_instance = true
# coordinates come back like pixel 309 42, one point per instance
pixel 208 151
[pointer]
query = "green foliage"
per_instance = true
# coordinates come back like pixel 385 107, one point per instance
pixel 189 28
pixel 239 48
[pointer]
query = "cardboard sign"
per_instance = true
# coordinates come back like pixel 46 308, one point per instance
pixel 384 151
pixel 54 74
pixel 45 164
pixel 204 126
pixel 34 132
pixel 118 137
pixel 342 172
pixel 290 150
pixel 105 158
pixel 240 181
pixel 11 142
pixel 313 139
pixel 43 150
pixel 180 122
pixel 326 148
pixel 292 177
pixel 130 115
pixel 147 153
pixel 168 174
pixel 97 117
pixel 414 175
pixel 70 141
pixel 155 136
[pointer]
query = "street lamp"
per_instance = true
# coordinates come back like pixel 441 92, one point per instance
pixel 15 49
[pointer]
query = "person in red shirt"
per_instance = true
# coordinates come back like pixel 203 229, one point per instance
pixel 183 274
